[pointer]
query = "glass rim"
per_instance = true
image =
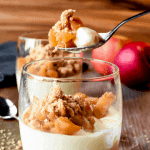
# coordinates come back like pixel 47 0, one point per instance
pixel 24 35
pixel 69 79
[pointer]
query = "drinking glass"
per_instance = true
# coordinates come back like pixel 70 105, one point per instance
pixel 34 46
pixel 97 87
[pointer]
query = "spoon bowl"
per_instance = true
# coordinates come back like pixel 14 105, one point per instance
pixel 82 49
pixel 7 109
pixel 104 36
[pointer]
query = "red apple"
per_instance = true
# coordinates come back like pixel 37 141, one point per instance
pixel 101 68
pixel 133 61
pixel 109 50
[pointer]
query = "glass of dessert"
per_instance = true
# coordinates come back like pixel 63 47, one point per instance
pixel 34 46
pixel 82 111
pixel 68 32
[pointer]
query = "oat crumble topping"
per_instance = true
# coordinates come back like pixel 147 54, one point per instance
pixel 64 31
pixel 66 114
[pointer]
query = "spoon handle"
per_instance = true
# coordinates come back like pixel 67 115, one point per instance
pixel 125 21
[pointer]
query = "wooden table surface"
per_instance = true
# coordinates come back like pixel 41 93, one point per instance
pixel 19 16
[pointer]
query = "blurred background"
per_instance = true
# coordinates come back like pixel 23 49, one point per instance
pixel 19 16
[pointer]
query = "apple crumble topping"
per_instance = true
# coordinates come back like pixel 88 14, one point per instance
pixel 41 52
pixel 56 69
pixel 66 114
pixel 64 31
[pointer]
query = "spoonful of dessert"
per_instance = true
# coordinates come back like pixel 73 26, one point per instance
pixel 7 109
pixel 70 35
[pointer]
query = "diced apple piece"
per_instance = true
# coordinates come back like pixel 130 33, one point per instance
pixel 70 44
pixel 20 62
pixel 67 44
pixel 52 73
pixel 51 115
pixel 33 69
pixel 52 38
pixel 64 126
pixel 48 65
pixel 64 37
pixel 91 100
pixel 48 125
pixel 40 116
pixel 103 104
pixel 42 72
pixel 80 94
pixel 35 100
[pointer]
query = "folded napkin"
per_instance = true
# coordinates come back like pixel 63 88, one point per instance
pixel 8 53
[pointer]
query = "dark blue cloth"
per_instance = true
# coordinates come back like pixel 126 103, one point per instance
pixel 8 53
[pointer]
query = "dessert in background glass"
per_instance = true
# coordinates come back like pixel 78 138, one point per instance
pixel 80 112
pixel 34 46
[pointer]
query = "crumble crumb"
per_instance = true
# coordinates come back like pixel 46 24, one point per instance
pixel 9 141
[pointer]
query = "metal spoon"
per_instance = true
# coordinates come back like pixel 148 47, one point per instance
pixel 105 36
pixel 7 109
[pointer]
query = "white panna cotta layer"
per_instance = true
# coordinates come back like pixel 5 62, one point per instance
pixel 106 136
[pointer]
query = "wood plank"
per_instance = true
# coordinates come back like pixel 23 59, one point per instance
pixel 136 124
pixel 31 21
pixel 29 15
